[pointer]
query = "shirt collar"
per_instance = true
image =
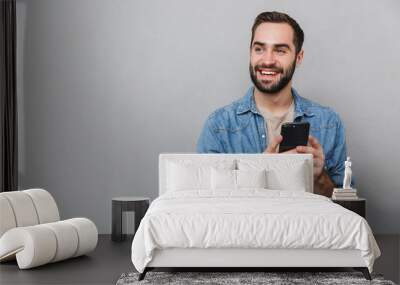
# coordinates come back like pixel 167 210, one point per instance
pixel 247 103
pixel 300 106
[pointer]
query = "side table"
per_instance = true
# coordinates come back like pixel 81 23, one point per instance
pixel 139 205
pixel 357 205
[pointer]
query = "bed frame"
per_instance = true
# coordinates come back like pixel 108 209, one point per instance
pixel 246 258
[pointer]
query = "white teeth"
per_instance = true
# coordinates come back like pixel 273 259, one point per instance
pixel 268 73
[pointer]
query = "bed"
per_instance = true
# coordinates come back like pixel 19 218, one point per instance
pixel 247 210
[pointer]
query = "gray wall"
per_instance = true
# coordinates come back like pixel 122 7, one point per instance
pixel 105 86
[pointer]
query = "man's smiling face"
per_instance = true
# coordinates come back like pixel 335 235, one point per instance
pixel 273 57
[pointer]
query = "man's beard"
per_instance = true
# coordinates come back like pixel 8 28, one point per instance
pixel 276 87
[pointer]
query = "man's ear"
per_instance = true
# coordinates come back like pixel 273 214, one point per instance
pixel 299 57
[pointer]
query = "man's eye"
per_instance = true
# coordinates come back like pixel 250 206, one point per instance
pixel 280 51
pixel 257 49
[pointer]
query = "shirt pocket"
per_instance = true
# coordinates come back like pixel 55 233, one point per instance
pixel 239 136
pixel 326 136
pixel 236 124
pixel 315 127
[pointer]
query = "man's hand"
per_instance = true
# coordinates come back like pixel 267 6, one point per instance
pixel 313 147
pixel 273 146
pixel 323 184
pixel 318 155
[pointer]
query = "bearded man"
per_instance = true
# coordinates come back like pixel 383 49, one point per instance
pixel 252 124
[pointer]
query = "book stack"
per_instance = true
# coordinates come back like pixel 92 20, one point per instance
pixel 344 194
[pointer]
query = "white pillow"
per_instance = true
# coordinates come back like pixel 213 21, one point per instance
pixel 183 177
pixel 193 174
pixel 223 179
pixel 237 179
pixel 292 179
pixel 282 174
pixel 251 178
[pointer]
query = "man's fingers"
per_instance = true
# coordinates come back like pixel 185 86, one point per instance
pixel 314 147
pixel 272 147
pixel 314 142
pixel 306 149
pixel 317 153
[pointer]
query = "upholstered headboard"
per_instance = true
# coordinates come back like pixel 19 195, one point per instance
pixel 270 160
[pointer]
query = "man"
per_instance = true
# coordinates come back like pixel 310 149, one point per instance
pixel 252 124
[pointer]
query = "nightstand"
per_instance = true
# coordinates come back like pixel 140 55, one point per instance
pixel 358 205
pixel 139 205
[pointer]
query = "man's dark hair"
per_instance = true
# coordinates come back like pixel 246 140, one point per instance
pixel 278 17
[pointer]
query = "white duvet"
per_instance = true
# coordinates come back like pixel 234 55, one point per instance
pixel 250 218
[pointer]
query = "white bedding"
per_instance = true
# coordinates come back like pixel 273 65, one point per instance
pixel 250 218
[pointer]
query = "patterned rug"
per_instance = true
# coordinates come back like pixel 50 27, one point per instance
pixel 269 278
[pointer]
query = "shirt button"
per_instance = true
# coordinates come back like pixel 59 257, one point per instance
pixel 263 136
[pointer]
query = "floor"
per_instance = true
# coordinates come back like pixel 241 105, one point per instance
pixel 102 266
pixel 110 260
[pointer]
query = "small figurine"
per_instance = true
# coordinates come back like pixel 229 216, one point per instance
pixel 347 174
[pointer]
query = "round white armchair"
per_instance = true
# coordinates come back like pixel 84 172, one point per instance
pixel 31 230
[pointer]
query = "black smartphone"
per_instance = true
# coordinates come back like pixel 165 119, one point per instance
pixel 294 134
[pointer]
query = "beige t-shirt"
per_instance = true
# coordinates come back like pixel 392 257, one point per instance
pixel 274 123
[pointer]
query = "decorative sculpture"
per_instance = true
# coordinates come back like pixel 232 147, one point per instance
pixel 347 174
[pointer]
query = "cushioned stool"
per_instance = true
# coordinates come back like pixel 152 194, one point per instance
pixel 31 230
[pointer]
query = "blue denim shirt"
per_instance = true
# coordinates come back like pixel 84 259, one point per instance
pixel 240 128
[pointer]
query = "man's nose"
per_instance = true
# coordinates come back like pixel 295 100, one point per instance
pixel 268 57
